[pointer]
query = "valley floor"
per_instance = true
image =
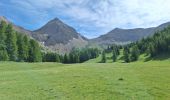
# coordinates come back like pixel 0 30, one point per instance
pixel 88 81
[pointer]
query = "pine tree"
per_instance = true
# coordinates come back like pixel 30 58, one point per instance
pixel 103 60
pixel 3 27
pixel 3 55
pixel 135 53
pixel 151 50
pixel 77 59
pixel 11 43
pixel 114 56
pixel 57 58
pixel 71 57
pixel 3 52
pixel 34 52
pixel 126 55
pixel 20 44
pixel 26 48
pixel 66 59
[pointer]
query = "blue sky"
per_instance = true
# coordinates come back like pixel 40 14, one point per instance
pixel 91 18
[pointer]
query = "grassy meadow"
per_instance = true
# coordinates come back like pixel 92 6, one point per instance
pixel 87 81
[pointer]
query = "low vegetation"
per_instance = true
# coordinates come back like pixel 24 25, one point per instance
pixel 87 81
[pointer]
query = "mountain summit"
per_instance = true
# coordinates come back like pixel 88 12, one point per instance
pixel 58 35
pixel 124 36
pixel 55 31
pixel 55 36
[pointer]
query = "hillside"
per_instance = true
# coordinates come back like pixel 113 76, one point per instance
pixel 55 36
pixel 124 36
pixel 15 27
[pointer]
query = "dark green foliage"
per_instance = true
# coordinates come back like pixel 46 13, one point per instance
pixel 114 56
pixel 157 44
pixel 103 60
pixel 34 52
pixel 16 46
pixel 154 45
pixel 26 48
pixel 80 55
pixel 51 57
pixel 22 48
pixel 116 48
pixel 3 55
pixel 126 52
pixel 151 50
pixel 134 53
pixel 74 56
pixel 3 26
pixel 3 52
pixel 11 43
pixel 66 59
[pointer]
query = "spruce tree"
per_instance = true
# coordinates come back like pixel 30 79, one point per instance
pixel 3 52
pixel 3 26
pixel 135 53
pixel 103 60
pixel 20 44
pixel 57 58
pixel 66 59
pixel 34 52
pixel 11 43
pixel 151 50
pixel 126 55
pixel 114 56
pixel 26 48
pixel 3 55
pixel 77 59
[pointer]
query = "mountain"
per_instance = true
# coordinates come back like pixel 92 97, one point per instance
pixel 57 36
pixel 123 36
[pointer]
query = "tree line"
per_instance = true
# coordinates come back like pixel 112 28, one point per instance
pixel 19 47
pixel 153 46
pixel 16 46
pixel 114 49
pixel 75 56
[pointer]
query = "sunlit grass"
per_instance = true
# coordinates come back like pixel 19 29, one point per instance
pixel 88 81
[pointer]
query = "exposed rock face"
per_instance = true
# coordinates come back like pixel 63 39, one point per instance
pixel 54 36
pixel 59 37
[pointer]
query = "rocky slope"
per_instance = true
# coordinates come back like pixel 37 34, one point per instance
pixel 55 36
pixel 123 36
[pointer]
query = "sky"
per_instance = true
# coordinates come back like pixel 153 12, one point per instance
pixel 91 18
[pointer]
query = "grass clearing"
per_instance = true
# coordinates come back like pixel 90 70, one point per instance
pixel 87 81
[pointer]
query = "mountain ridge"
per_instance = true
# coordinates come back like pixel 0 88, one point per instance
pixel 56 35
pixel 124 36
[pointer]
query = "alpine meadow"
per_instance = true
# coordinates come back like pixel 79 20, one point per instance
pixel 42 57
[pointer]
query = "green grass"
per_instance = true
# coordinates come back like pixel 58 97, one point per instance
pixel 88 81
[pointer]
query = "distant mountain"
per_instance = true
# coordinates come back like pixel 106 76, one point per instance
pixel 55 36
pixel 123 36
pixel 59 37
